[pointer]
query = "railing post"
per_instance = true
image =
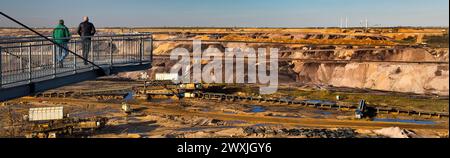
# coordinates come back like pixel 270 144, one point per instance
pixel 92 52
pixel 1 67
pixel 41 52
pixel 20 57
pixel 54 60
pixel 143 47
pixel 75 58
pixel 123 51
pixel 111 52
pixel 141 50
pixel 29 64
pixel 151 49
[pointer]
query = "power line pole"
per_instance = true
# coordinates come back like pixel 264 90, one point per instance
pixel 346 22
pixel 367 23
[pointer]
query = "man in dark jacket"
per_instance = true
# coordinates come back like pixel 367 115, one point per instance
pixel 61 35
pixel 86 30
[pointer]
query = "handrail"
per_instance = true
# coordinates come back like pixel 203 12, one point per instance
pixel 71 41
pixel 115 35
pixel 30 62
pixel 35 38
pixel 282 43
pixel 52 41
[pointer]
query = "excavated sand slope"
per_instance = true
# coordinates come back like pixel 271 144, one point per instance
pixel 399 77
pixel 415 78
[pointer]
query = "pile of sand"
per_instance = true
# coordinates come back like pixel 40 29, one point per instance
pixel 396 132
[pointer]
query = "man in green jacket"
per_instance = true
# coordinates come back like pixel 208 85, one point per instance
pixel 61 35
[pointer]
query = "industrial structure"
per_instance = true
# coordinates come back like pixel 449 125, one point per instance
pixel 29 64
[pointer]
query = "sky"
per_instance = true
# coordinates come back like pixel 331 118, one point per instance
pixel 227 13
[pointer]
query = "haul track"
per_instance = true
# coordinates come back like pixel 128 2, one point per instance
pixel 304 122
pixel 321 105
pixel 117 93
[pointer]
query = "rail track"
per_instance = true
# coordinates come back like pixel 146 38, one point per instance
pixel 319 104
pixel 287 59
pixel 304 122
pixel 326 105
pixel 109 93
pixel 285 43
pixel 398 46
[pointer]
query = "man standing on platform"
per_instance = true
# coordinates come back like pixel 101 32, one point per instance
pixel 86 30
pixel 61 35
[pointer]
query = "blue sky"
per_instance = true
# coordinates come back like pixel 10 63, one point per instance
pixel 228 13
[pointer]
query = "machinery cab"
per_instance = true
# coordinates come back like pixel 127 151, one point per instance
pixel 359 113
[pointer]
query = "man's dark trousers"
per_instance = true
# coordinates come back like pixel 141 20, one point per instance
pixel 86 44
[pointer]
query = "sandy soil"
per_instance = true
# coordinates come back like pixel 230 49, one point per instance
pixel 192 118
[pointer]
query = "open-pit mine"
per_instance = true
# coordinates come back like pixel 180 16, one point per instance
pixel 332 83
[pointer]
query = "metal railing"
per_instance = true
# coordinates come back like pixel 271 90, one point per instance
pixel 30 59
